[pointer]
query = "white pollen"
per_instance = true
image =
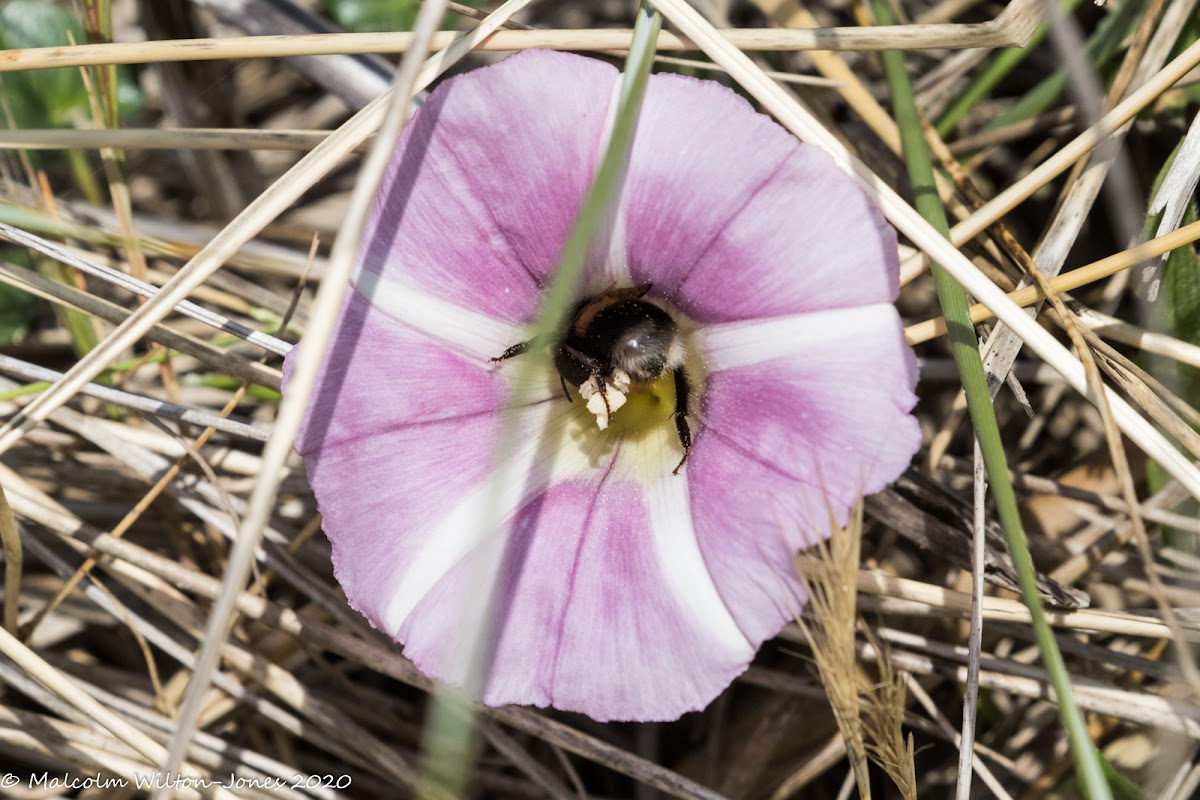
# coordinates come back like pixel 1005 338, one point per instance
pixel 605 405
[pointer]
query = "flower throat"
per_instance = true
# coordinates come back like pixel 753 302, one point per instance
pixel 624 353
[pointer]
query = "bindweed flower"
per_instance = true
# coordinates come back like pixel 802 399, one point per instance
pixel 740 297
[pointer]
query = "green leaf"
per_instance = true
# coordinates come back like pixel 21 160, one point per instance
pixel 1179 310
pixel 1101 47
pixel 1001 64
pixel 44 98
pixel 1176 313
pixel 17 309
pixel 50 98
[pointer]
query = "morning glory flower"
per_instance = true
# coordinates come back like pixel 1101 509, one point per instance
pixel 629 586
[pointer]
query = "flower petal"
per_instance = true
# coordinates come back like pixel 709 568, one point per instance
pixel 750 545
pixel 542 454
pixel 789 441
pixel 731 217
pixel 469 333
pixel 809 412
pixel 400 442
pixel 487 180
pixel 381 376
pixel 739 344
pixel 396 432
pixel 590 616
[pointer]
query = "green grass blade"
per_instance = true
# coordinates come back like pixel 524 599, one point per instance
pixel 965 348
pixel 997 70
pixel 97 24
pixel 82 327
pixel 1101 46
pixel 450 743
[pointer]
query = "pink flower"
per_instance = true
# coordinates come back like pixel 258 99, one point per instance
pixel 624 591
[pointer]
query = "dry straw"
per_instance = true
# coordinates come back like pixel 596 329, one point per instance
pixel 829 629
pixel 1012 28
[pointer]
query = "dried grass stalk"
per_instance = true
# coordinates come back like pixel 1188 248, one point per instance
pixel 829 577
pixel 883 721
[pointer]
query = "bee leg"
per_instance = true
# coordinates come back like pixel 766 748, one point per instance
pixel 515 350
pixel 563 381
pixel 682 396
pixel 603 389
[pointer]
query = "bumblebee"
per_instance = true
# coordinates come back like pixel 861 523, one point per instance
pixel 615 342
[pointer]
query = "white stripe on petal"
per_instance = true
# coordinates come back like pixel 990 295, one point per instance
pixel 616 266
pixel 609 263
pixel 738 344
pixel 542 455
pixel 467 332
pixel 683 565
